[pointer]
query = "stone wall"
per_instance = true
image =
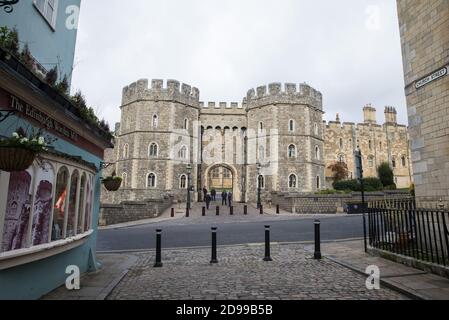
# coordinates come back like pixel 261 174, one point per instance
pixel 111 214
pixel 328 204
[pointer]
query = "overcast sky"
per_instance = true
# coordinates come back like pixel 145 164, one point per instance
pixel 349 50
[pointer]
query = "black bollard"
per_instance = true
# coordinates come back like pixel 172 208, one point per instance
pixel 217 211
pixel 172 212
pixel 187 212
pixel 245 210
pixel 231 211
pixel 214 246
pixel 267 244
pixel 204 211
pixel 261 209
pixel 158 263
pixel 278 211
pixel 317 254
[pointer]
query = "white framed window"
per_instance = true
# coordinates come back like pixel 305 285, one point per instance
pixel 186 124
pixel 292 151
pixel 153 150
pixel 293 181
pixel 151 180
pixel 371 161
pixel 48 9
pixel 183 182
pixel 183 153
pixel 50 201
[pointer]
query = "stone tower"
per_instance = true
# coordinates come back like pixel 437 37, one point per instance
pixel 369 114
pixel 391 115
pixel 285 136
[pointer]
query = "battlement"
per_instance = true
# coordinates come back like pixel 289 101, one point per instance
pixel 288 93
pixel 222 105
pixel 172 90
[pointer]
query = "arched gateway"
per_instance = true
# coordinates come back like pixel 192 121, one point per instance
pixel 223 177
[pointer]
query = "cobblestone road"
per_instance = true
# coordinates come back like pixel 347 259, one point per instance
pixel 241 274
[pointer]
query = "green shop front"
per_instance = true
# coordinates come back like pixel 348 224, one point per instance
pixel 48 211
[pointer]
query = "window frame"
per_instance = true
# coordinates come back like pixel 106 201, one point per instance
pixel 150 149
pixel 296 181
pixel 43 11
pixel 295 151
pixel 148 180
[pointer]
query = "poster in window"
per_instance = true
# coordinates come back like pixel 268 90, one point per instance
pixel 18 209
pixel 43 202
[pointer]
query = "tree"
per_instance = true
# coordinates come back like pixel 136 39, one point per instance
pixel 340 171
pixel 9 40
pixel 26 57
pixel 386 174
pixel 63 85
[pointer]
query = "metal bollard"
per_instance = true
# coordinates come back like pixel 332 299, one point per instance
pixel 217 210
pixel 245 210
pixel 261 209
pixel 317 254
pixel 158 263
pixel 278 211
pixel 172 212
pixel 204 211
pixel 214 246
pixel 231 211
pixel 267 244
pixel 187 212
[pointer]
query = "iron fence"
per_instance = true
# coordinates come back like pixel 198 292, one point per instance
pixel 402 228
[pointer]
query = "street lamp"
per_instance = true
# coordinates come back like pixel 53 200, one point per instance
pixel 189 171
pixel 259 182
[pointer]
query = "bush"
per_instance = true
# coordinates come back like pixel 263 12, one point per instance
pixel 385 174
pixel 371 185
pixel 52 76
pixel 391 187
pixel 9 40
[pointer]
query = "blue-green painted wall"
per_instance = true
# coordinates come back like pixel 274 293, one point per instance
pixel 35 279
pixel 50 47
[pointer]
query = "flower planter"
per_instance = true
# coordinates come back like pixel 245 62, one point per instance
pixel 112 184
pixel 14 159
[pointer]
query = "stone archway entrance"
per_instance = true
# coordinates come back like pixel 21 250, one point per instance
pixel 223 177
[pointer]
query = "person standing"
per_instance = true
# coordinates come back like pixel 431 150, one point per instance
pixel 224 198
pixel 214 195
pixel 230 195
pixel 208 199
pixel 204 193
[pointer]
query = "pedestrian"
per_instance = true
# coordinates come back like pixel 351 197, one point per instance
pixel 208 199
pixel 214 195
pixel 230 199
pixel 204 193
pixel 224 198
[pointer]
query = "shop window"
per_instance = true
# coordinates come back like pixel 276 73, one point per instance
pixel 82 200
pixel 88 206
pixel 73 203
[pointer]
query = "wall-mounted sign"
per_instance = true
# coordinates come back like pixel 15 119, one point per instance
pixel 42 118
pixel 432 77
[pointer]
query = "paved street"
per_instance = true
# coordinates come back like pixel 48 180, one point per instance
pixel 241 274
pixel 237 229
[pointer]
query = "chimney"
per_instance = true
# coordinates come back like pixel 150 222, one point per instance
pixel 369 114
pixel 391 115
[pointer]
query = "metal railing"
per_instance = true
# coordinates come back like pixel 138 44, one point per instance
pixel 402 228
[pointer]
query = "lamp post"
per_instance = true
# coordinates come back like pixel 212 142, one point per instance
pixel 189 171
pixel 259 182
pixel 359 167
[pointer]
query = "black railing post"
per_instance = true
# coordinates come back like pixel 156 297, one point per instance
pixel 261 209
pixel 172 212
pixel 245 210
pixel 204 211
pixel 267 245
pixel 214 246
pixel 278 211
pixel 231 211
pixel 158 263
pixel 187 212
pixel 217 211
pixel 317 254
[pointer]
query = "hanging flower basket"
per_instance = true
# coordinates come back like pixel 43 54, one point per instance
pixel 18 152
pixel 112 183
pixel 14 159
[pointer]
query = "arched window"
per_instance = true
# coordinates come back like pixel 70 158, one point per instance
pixel 261 153
pixel 153 150
pixel 371 161
pixel 126 151
pixel 216 173
pixel 124 179
pixel 227 173
pixel 315 129
pixel 183 152
pixel 183 182
pixel 62 181
pixel 393 162
pixel 155 121
pixel 151 180
pixel 261 182
pixel 292 151
pixel 292 181
pixel 291 125
pixel 318 182
pixel 317 153
pixel 186 124
pixel 404 161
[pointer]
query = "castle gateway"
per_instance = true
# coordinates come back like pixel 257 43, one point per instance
pixel 275 139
